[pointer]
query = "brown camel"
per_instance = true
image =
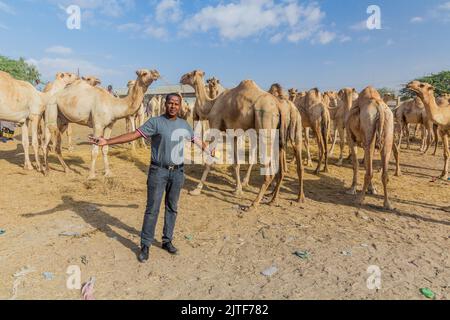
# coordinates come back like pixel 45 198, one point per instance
pixel 213 87
pixel 440 115
pixel 315 115
pixel 370 124
pixel 299 100
pixel 93 107
pixel 345 99
pixel 413 112
pixel 242 108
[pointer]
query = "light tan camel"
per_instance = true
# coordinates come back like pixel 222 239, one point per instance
pixel 299 100
pixel 413 112
pixel 293 134
pixel 315 115
pixel 93 107
pixel 135 121
pixel 345 99
pixel 370 124
pixel 440 115
pixel 21 103
pixel 213 87
pixel 244 107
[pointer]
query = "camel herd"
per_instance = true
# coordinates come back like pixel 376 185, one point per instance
pixel 359 120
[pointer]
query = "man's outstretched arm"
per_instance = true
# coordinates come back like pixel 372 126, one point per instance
pixel 125 138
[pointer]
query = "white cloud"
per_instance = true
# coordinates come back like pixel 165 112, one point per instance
pixel 168 11
pixel 344 39
pixel 59 50
pixel 6 8
pixel 416 20
pixel 50 66
pixel 110 8
pixel 133 27
pixel 252 18
pixel 156 32
pixel 360 26
pixel 445 6
pixel 325 37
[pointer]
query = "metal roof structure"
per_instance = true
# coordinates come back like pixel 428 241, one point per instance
pixel 186 91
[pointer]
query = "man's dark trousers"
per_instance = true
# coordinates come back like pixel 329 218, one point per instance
pixel 162 180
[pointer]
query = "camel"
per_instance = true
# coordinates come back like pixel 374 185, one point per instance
pixel 315 115
pixel 294 135
pixel 298 98
pixel 213 87
pixel 440 115
pixel 136 120
pixel 90 106
pixel 345 99
pixel 244 107
pixel 370 124
pixel 413 112
pixel 21 103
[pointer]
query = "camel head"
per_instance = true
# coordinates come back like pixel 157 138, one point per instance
pixel 93 81
pixel 277 90
pixel 66 77
pixel 213 83
pixel 292 94
pixel 147 77
pixel 347 95
pixel 331 98
pixel 131 84
pixel 192 78
pixel 313 96
pixel 420 88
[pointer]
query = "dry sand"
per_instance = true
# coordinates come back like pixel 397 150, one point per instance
pixel 222 251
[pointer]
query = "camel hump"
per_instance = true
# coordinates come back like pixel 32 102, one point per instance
pixel 248 84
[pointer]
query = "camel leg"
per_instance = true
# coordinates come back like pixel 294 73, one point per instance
pixel 342 146
pixel 267 182
pixel 385 157
pixel 308 150
pixel 237 171
pixel 368 151
pixel 62 127
pixel 140 122
pixel 69 138
pixel 436 137
pixel 333 145
pixel 408 138
pixel 300 171
pixel 201 184
pixel 35 120
pixel 444 174
pixel 26 146
pixel 98 131
pixel 355 161
pixel 246 182
pixel 320 146
pixel 396 150
pixel 105 150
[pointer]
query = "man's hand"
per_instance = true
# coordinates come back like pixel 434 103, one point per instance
pixel 101 142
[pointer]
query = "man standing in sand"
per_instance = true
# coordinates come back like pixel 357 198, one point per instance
pixel 166 172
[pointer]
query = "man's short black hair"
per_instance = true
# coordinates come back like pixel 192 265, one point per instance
pixel 170 95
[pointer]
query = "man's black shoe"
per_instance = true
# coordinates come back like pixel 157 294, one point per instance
pixel 144 254
pixel 169 248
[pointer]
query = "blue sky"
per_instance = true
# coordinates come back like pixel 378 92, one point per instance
pixel 298 43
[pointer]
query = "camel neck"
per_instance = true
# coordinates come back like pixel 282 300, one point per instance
pixel 434 112
pixel 132 102
pixel 203 103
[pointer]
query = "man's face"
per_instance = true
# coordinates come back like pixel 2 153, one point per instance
pixel 173 106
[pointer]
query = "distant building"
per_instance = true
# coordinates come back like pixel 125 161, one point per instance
pixel 186 91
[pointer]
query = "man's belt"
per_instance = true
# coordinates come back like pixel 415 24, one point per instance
pixel 171 168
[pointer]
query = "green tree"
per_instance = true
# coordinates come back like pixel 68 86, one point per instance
pixel 440 81
pixel 20 69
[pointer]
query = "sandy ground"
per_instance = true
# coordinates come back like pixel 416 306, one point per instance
pixel 222 251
